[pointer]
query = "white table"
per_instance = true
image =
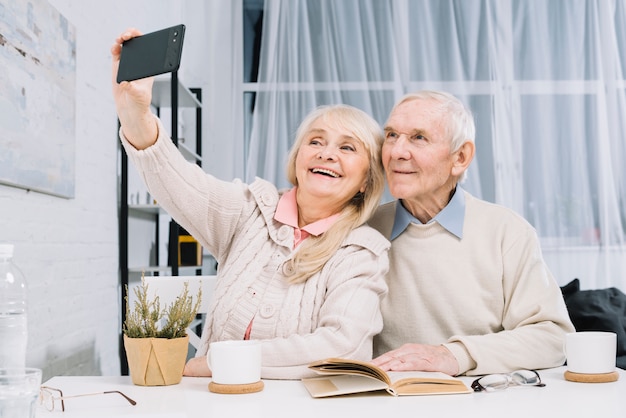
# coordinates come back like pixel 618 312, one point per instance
pixel 191 398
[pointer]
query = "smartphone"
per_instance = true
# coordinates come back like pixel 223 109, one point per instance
pixel 151 54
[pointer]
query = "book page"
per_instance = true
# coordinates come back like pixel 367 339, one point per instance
pixel 429 376
pixel 355 367
pixel 426 383
pixel 342 385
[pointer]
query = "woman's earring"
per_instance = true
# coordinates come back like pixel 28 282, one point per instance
pixel 358 198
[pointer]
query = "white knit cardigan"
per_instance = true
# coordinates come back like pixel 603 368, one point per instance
pixel 335 313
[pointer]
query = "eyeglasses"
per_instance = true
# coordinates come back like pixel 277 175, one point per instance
pixel 48 396
pixel 493 382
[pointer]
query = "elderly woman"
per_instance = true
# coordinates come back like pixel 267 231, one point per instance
pixel 298 269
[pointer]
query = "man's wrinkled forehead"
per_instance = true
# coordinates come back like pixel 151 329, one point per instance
pixel 415 115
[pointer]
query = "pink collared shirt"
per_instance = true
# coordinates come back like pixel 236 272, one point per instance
pixel 287 213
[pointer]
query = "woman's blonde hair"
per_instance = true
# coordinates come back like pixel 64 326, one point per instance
pixel 314 252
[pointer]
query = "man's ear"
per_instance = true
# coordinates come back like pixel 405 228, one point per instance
pixel 463 157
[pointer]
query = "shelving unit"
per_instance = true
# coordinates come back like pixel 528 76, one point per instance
pixel 168 92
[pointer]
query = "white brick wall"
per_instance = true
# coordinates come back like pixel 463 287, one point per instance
pixel 68 249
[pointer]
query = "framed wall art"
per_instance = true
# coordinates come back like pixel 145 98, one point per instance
pixel 37 104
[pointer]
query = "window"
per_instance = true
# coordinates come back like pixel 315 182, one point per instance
pixel 546 87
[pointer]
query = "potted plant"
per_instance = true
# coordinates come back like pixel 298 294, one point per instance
pixel 155 339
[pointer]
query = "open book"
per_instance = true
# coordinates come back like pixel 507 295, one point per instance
pixel 343 376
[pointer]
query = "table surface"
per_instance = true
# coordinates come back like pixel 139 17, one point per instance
pixel 191 398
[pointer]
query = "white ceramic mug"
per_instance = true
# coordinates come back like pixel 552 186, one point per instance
pixel 235 362
pixel 591 352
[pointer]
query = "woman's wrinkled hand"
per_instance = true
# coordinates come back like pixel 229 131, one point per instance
pixel 197 367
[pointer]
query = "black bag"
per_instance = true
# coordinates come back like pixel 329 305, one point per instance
pixel 598 310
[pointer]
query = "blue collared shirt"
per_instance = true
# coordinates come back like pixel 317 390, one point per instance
pixel 451 217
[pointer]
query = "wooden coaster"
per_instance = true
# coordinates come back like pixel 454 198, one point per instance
pixel 236 389
pixel 591 378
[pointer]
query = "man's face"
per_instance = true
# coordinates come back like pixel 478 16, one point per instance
pixel 416 153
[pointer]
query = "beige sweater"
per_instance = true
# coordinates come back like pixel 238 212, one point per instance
pixel 489 297
pixel 336 313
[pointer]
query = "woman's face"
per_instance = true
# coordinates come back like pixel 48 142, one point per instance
pixel 331 167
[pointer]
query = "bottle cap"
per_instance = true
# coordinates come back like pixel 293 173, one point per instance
pixel 6 250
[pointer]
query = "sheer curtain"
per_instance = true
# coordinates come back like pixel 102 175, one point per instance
pixel 545 81
pixel 314 53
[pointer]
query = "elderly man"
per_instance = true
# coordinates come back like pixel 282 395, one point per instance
pixel 469 292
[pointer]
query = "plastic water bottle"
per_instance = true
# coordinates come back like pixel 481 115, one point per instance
pixel 13 293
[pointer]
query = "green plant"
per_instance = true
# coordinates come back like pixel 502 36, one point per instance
pixel 144 319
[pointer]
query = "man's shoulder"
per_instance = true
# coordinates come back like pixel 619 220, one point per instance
pixel 488 208
pixel 383 218
pixel 492 214
pixel 385 209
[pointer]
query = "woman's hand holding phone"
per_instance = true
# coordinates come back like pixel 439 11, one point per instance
pixel 133 99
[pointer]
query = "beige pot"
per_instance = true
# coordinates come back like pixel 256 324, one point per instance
pixel 156 361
